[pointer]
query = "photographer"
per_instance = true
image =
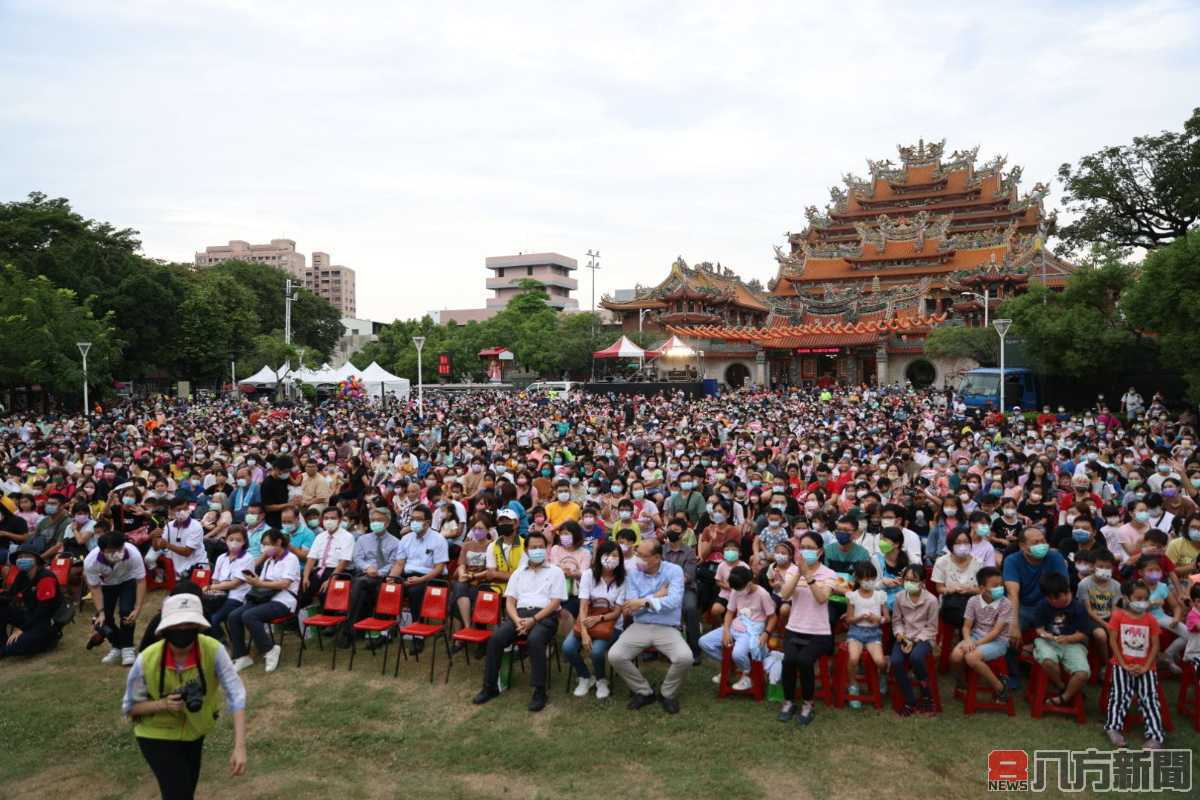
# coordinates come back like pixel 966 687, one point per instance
pixel 27 607
pixel 116 576
pixel 171 701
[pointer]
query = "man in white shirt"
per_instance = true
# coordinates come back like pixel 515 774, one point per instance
pixel 182 539
pixel 331 554
pixel 116 575
pixel 532 600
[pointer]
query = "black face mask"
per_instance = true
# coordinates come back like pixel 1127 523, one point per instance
pixel 674 536
pixel 504 530
pixel 181 637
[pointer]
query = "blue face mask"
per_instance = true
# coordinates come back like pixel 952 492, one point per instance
pixel 843 538
pixel 810 556
pixel 1080 535
pixel 378 527
pixel 536 556
pixel 417 526
pixel 289 527
pixel 1039 550
pixel 26 564
pixel 997 592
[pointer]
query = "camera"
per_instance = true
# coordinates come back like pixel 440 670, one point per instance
pixel 100 633
pixel 192 694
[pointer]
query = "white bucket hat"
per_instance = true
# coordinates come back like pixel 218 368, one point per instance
pixel 181 609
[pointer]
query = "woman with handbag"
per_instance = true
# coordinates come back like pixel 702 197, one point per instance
pixel 228 589
pixel 601 594
pixel 272 594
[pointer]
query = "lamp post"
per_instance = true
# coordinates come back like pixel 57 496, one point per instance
pixel 985 297
pixel 83 351
pixel 1002 326
pixel 419 341
pixel 641 314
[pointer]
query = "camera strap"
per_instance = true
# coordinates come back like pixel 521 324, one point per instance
pixel 162 667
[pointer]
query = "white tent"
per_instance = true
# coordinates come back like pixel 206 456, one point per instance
pixel 264 377
pixel 345 372
pixel 378 382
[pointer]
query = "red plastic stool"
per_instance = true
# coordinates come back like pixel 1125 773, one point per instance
pixel 935 694
pixel 162 576
pixel 842 679
pixel 758 681
pixel 1039 682
pixel 1095 663
pixel 945 643
pixel 1132 717
pixel 1189 682
pixel 971 701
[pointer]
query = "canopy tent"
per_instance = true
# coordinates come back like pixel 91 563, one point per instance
pixel 264 377
pixel 672 348
pixel 622 348
pixel 380 382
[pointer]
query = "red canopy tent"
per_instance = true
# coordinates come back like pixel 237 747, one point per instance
pixel 621 348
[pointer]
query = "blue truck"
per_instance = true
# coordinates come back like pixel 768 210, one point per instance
pixel 980 388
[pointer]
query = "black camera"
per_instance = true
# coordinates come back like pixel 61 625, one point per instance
pixel 100 633
pixel 192 694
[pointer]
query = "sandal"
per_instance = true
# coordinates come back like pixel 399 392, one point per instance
pixel 1058 701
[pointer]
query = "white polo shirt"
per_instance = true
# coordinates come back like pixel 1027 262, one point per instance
pixel 327 551
pixel 191 535
pixel 535 588
pixel 97 569
pixel 231 570
pixel 276 570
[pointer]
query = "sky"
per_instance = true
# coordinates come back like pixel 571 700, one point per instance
pixel 412 140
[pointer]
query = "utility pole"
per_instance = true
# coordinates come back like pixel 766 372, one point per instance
pixel 288 297
pixel 593 264
pixel 419 342
pixel 83 351
pixel 1002 326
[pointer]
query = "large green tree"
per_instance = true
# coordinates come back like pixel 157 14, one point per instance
pixel 1165 300
pixel 217 323
pixel 1145 194
pixel 960 341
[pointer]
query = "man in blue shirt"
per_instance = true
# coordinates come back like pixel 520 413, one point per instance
pixel 654 597
pixel 1023 571
pixel 421 557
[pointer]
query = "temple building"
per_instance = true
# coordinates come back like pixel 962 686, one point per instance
pixel 920 243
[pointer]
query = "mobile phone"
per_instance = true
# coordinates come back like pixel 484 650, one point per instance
pixel 248 572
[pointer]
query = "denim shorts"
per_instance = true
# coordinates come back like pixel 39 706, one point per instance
pixel 996 648
pixel 865 634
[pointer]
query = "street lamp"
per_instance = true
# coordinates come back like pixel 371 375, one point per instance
pixel 419 341
pixel 1002 326
pixel 641 313
pixel 83 351
pixel 985 297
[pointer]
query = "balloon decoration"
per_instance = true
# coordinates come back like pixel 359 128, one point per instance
pixel 351 388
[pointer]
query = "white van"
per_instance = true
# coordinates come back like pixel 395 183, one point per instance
pixel 561 388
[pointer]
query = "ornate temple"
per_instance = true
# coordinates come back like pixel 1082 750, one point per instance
pixel 922 242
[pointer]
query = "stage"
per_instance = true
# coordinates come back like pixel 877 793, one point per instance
pixel 690 388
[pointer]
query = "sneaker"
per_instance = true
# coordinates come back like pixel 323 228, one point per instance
pixel 717 679
pixel 743 684
pixel 1116 738
pixel 1152 744
pixel 113 657
pixel 906 711
pixel 850 690
pixel 805 717
pixel 240 664
pixel 128 656
pixel 271 659
pixel 1004 695
pixel 786 712
pixel 602 690
pixel 585 686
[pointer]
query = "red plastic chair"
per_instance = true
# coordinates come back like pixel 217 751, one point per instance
pixel 386 616
pixel 1189 683
pixel 1132 717
pixel 971 695
pixel 758 681
pixel 201 576
pixel 162 576
pixel 61 568
pixel 434 610
pixel 1039 683
pixel 10 575
pixel 935 693
pixel 842 679
pixel 945 643
pixel 485 615
pixel 333 615
pixel 281 622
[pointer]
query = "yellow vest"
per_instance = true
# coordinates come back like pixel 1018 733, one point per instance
pixel 509 564
pixel 182 725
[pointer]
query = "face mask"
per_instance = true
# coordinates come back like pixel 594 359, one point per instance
pixel 180 637
pixel 81 519
pixel 588 522
pixel 996 592
pixel 26 564
pixel 1083 569
pixel 686 486
pixel 503 528
pixel 288 527
pixel 1039 550
pixel 564 497
pixel 962 550
pixel 51 509
pixel 717 518
pixel 1142 516
pixel 214 506
pixel 782 559
pixel 609 562
pixel 378 527
pixel 1138 606
pixel 126 501
pixel 731 555
pixel 912 587
pixel 1152 577
pixel 566 539
pixel 1104 574
pixel 330 525
pixel 950 512
pixel 1080 535
pixel 674 536
pixel 478 534
pixel 983 529
pixel 418 526
pixel 536 556
pixel 810 556
pixel 885 546
pixel 638 494
pixel 843 538
pixel 182 516
pixel 617 489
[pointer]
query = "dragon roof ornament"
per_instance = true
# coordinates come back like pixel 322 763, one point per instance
pixel 921 153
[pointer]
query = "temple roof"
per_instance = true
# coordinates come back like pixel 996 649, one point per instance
pixel 715 285
pixel 814 334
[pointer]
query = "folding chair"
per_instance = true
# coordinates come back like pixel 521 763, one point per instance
pixel 387 615
pixel 485 614
pixel 435 611
pixel 333 615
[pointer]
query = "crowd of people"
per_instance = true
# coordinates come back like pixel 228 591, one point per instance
pixel 629 529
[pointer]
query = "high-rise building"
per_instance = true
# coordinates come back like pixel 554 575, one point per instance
pixel 333 282
pixel 552 270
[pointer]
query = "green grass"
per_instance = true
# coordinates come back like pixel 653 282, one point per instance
pixel 361 735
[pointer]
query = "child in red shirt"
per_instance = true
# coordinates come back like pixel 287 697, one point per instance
pixel 1133 641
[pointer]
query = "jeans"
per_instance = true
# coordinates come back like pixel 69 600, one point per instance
pixel 801 653
pixel 691 621
pixel 255 618
pixel 506 633
pixel 118 602
pixel 916 661
pixel 217 618
pixel 176 765
pixel 572 648
pixel 710 644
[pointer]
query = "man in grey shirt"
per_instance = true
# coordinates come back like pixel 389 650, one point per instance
pixel 684 557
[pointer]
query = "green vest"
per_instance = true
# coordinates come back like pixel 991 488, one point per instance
pixel 182 725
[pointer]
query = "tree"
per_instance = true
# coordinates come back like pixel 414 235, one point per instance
pixel 217 321
pixel 1166 301
pixel 1080 332
pixel 579 335
pixel 1146 194
pixel 956 341
pixel 316 324
pixel 40 325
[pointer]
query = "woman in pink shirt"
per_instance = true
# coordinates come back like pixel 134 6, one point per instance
pixel 807 585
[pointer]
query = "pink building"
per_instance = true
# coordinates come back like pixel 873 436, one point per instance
pixel 332 282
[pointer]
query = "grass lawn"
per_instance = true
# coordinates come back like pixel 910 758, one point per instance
pixel 314 732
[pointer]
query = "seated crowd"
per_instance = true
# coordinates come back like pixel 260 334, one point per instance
pixel 882 527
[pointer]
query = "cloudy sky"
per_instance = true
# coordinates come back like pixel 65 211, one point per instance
pixel 411 140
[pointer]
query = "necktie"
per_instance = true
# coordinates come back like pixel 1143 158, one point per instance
pixel 325 555
pixel 379 552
